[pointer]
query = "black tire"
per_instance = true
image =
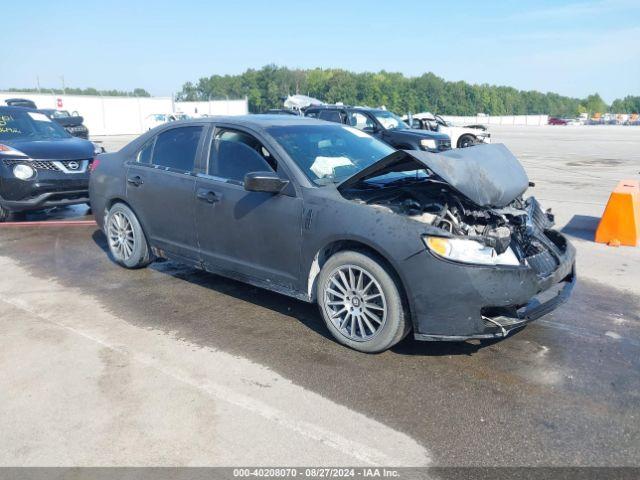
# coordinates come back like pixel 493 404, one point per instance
pixel 122 227
pixel 466 141
pixel 4 214
pixel 395 324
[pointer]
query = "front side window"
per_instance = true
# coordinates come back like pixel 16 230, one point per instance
pixel 389 120
pixel 329 153
pixel 233 154
pixel 176 148
pixel 360 121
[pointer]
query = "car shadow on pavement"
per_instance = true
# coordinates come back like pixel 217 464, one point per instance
pixel 581 226
pixel 305 313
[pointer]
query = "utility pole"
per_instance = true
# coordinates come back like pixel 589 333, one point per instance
pixel 38 82
pixel 64 89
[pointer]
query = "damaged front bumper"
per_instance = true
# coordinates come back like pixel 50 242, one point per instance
pixel 483 302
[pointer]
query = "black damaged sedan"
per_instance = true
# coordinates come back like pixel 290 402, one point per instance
pixel 41 165
pixel 387 242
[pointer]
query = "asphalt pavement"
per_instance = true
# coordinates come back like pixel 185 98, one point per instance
pixel 172 366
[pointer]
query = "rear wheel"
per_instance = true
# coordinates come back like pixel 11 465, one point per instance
pixel 361 303
pixel 127 242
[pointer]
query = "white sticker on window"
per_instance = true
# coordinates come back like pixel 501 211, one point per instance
pixel 323 166
pixel 357 132
pixel 39 117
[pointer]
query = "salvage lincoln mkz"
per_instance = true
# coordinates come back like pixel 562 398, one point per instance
pixel 386 241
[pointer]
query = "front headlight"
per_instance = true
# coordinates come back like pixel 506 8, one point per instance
pixel 428 143
pixel 23 172
pixel 469 251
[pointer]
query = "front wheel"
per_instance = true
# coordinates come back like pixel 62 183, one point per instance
pixel 4 214
pixel 361 303
pixel 127 242
pixel 466 141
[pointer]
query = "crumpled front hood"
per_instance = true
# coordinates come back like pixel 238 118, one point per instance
pixel 488 175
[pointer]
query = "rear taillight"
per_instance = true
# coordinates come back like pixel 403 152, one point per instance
pixel 94 164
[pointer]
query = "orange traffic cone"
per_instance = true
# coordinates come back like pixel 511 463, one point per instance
pixel 620 222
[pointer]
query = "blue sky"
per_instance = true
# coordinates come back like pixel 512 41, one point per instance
pixel 570 47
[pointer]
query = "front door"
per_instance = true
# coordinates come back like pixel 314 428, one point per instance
pixel 252 235
pixel 160 189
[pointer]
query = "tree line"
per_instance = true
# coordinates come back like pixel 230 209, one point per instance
pixel 266 87
pixel 137 92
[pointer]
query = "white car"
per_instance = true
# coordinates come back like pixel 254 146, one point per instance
pixel 460 136
pixel 156 119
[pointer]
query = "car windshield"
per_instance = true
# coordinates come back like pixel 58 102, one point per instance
pixel 329 153
pixel 442 121
pixel 389 120
pixel 60 114
pixel 28 125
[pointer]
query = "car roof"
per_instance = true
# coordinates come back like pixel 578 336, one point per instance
pixel 260 121
pixel 9 109
pixel 346 107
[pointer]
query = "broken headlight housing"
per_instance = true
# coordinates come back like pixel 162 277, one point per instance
pixel 468 251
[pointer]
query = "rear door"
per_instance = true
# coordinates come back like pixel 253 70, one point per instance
pixel 161 188
pixel 253 235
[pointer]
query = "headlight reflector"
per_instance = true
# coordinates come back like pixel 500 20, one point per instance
pixel 469 251
pixel 428 143
pixel 23 172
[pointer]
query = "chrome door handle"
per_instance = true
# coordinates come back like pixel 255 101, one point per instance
pixel 135 181
pixel 208 196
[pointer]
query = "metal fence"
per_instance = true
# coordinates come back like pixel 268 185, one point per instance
pixel 126 115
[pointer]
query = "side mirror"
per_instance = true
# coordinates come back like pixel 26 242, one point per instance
pixel 267 182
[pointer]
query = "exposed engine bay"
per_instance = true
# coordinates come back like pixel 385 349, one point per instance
pixel 520 225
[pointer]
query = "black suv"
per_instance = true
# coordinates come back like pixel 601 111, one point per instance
pixel 41 165
pixel 71 123
pixel 383 125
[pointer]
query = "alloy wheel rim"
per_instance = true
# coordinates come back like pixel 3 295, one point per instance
pixel 355 303
pixel 121 239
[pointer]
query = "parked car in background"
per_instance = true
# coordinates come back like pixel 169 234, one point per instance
pixel 71 123
pixel 20 102
pixel 282 111
pixel 383 125
pixel 385 241
pixel 556 121
pixel 156 119
pixel 41 165
pixel 461 137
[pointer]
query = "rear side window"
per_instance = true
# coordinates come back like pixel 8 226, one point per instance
pixel 330 116
pixel 176 148
pixel 233 154
pixel 144 155
pixel 311 113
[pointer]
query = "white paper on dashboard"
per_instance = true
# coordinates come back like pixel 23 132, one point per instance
pixel 323 166
pixel 40 117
